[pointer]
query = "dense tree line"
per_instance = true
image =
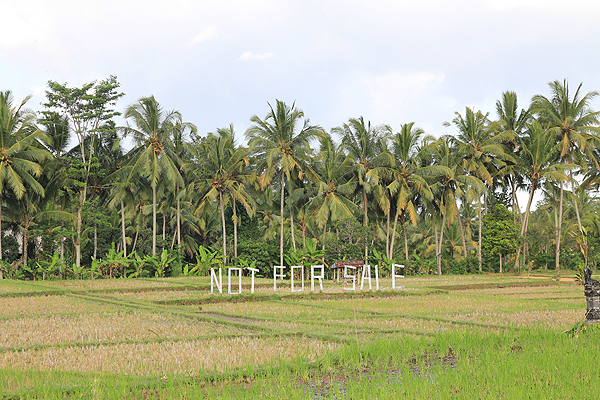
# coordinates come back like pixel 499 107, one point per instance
pixel 180 201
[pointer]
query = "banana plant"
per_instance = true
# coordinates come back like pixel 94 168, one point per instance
pixel 160 263
pixel 384 263
pixel 206 260
pixel 78 271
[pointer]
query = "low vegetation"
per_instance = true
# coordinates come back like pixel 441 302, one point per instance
pixel 482 336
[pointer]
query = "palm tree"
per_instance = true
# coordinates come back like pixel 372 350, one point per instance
pixel 153 157
pixel 334 186
pixel 366 145
pixel 224 163
pixel 453 183
pixel 537 161
pixel 479 147
pixel 18 157
pixel 408 178
pixel 281 141
pixel 513 121
pixel 574 124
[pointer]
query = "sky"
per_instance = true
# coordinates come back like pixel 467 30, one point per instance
pixel 220 62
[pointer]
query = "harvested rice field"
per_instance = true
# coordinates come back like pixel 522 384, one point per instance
pixel 172 338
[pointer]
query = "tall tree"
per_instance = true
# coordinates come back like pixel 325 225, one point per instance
pixel 153 157
pixel 224 164
pixel 513 121
pixel 281 141
pixel 88 110
pixel 408 180
pixel 574 124
pixel 453 183
pixel 365 143
pixel 334 185
pixel 479 150
pixel 19 159
pixel 537 162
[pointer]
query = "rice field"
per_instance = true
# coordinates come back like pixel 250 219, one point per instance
pixel 170 338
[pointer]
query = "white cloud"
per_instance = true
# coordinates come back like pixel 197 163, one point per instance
pixel 207 33
pixel 258 56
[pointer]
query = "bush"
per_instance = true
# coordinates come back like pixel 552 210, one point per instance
pixel 264 254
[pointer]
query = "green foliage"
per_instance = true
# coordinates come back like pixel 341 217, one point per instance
pixel 384 263
pixel 54 268
pixel 501 232
pixel 309 255
pixel 205 260
pixel 469 265
pixel 10 248
pixel 543 260
pixel 423 265
pixel 159 265
pixel 349 241
pixel 264 254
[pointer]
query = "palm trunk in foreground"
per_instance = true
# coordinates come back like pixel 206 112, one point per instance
pixel 479 239
pixel 394 234
pixel 82 195
pixel 558 225
pixel 154 220
pixel 235 223
pixel 281 218
pixel 123 228
pixel 462 234
pixel 439 245
pixel 178 222
pixel 365 222
pixel 223 221
pixel 292 227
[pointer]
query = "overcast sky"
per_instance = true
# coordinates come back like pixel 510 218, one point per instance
pixel 221 61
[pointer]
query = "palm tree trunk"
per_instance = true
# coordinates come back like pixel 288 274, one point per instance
pixel 235 223
pixel 558 232
pixel 137 232
pixel 178 219
pixel 479 238
pixel 394 233
pixel 164 228
pixel 95 241
pixel 387 233
pixel 575 203
pixel 581 233
pixel 525 223
pixel 462 234
pixel 154 220
pixel 82 195
pixel 405 240
pixel 516 202
pixel 485 203
pixel 62 242
pixel 173 242
pixel 25 240
pixel 281 218
pixel 365 218
pixel 439 243
pixel 123 228
pixel 223 221
pixel 292 227
pixel 304 235
pixel 324 232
